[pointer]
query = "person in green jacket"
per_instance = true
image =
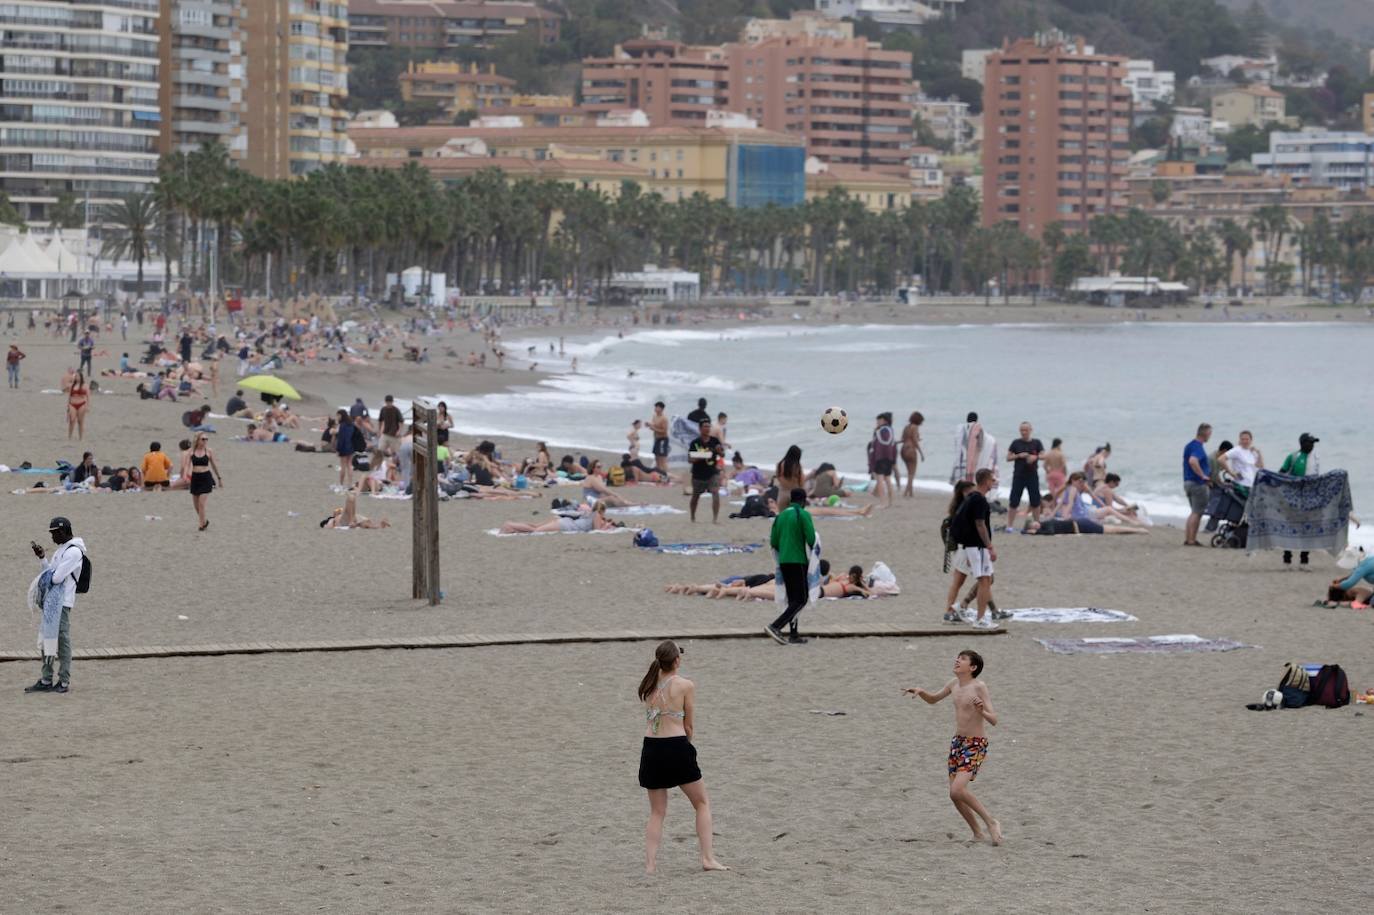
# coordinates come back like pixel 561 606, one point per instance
pixel 793 535
pixel 1301 463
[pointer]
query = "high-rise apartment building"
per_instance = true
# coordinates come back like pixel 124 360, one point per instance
pixel 1057 124
pixel 202 75
pixel 440 24
pixel 850 99
pixel 296 85
pixel 79 107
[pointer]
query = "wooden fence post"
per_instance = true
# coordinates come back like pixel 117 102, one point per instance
pixel 425 500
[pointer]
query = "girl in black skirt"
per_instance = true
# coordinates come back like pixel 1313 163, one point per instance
pixel 668 759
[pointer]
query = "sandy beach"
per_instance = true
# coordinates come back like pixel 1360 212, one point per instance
pixel 503 779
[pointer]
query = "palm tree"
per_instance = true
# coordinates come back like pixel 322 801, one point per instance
pixel 956 218
pixel 134 230
pixel 1236 239
pixel 1271 224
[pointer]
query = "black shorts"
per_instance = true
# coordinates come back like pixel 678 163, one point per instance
pixel 660 447
pixel 1030 485
pixel 202 483
pixel 667 762
pixel 883 467
pixel 158 484
pixel 709 484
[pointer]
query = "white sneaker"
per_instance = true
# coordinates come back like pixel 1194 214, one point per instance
pixel 969 614
pixel 985 623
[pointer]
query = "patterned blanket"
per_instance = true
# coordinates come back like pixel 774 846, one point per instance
pixel 1299 513
pixel 1154 644
pixel 705 549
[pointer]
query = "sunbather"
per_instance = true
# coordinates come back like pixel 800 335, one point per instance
pixel 348 517
pixel 583 522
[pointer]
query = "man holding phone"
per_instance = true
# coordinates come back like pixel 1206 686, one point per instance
pixel 66 567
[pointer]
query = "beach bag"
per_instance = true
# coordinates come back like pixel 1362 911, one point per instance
pixel 615 476
pixel 646 539
pixel 882 581
pixel 1330 688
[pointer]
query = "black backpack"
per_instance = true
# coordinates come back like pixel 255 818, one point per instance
pixel 359 440
pixel 1329 687
pixel 83 577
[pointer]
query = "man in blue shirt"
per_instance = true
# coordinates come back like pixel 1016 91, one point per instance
pixel 1196 474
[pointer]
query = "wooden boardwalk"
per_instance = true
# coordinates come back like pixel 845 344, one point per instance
pixel 833 631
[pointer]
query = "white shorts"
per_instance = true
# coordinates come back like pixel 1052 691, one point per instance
pixel 974 561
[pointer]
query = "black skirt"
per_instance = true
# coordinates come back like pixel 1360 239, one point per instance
pixel 668 762
pixel 202 483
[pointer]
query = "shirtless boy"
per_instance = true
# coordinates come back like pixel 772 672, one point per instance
pixel 972 707
pixel 658 425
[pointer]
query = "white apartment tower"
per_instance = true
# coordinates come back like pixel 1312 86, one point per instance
pixel 79 107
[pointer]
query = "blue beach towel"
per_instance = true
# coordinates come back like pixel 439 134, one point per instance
pixel 47 598
pixel 706 549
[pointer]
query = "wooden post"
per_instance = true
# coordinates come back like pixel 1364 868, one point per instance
pixel 425 499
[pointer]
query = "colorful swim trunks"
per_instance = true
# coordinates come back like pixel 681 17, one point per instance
pixel 966 754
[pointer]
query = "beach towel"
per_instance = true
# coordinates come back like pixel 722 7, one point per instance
pixel 813 577
pixel 683 432
pixel 1070 615
pixel 966 447
pixel 496 532
pixel 46 599
pixel 646 510
pixel 706 549
pixel 1154 644
pixel 1299 513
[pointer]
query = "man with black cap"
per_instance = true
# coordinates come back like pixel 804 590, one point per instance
pixel 66 567
pixel 1301 463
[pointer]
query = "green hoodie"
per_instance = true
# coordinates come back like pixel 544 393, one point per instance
pixel 793 532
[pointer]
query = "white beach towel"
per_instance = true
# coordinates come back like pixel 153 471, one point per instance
pixel 1070 615
pixel 646 510
pixel 1161 644
pixel 496 532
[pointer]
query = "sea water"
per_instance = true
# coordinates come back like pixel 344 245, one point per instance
pixel 1143 387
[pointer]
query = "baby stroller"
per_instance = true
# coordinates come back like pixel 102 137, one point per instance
pixel 1226 516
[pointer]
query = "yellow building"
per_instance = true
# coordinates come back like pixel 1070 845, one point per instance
pixel 456 86
pixel 746 166
pixel 1250 106
pixel 589 174
pixel 1367 107
pixel 296 85
pixel 877 190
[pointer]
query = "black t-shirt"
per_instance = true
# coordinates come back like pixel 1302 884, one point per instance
pixel 698 416
pixel 1021 446
pixel 704 470
pixel 234 405
pixel 964 529
pixel 390 419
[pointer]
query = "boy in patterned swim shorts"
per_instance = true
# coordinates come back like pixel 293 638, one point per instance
pixel 968 749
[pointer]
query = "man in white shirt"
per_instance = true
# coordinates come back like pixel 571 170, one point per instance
pixel 1245 461
pixel 66 567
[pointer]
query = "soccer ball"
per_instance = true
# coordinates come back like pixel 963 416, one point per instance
pixel 1272 699
pixel 834 420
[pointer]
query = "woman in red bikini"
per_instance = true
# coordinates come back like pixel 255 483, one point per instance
pixel 78 402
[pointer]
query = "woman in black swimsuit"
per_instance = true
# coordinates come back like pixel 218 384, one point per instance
pixel 199 467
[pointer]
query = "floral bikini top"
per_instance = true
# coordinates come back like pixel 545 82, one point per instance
pixel 653 714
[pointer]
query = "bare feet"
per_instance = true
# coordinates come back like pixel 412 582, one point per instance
pixel 868 511
pixel 649 870
pixel 995 831
pixel 711 864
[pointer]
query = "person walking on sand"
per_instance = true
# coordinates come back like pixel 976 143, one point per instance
pixel 969 748
pixel 12 359
pixel 792 537
pixel 667 759
pixel 85 348
pixel 63 571
pixel 1196 477
pixel 390 420
pixel 1301 463
pixel 971 532
pixel 911 449
pixel 198 466
pixel 705 454
pixel 882 458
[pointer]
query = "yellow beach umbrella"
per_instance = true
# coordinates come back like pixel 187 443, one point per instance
pixel 270 384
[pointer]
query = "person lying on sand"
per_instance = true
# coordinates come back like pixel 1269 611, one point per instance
pixel 347 517
pixel 850 586
pixel 730 587
pixel 583 522
pixel 256 434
